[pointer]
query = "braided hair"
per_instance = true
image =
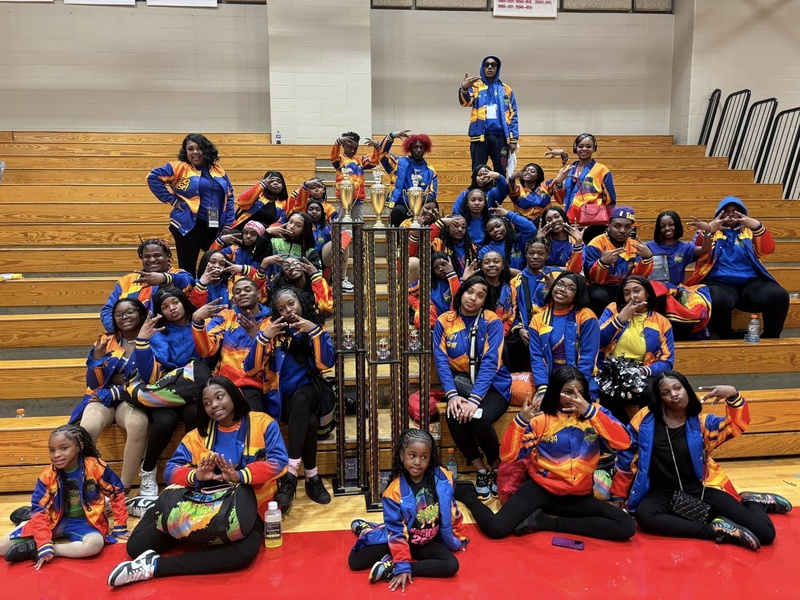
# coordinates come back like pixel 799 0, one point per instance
pixel 297 346
pixel 77 434
pixel 449 244
pixel 509 239
pixel 413 436
pixel 162 243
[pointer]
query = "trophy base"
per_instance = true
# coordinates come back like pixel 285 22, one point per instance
pixel 379 224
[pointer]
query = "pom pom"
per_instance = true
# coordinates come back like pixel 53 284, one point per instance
pixel 621 379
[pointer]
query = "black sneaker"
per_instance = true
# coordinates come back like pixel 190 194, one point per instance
pixel 286 491
pixel 359 526
pixel 464 491
pixel 493 486
pixel 25 550
pixel 483 485
pixel 315 490
pixel 771 503
pixel 383 570
pixel 529 525
pixel 21 514
pixel 729 532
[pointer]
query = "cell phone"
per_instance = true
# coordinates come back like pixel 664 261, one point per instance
pixel 477 414
pixel 568 543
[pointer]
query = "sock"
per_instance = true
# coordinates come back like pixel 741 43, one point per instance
pixel 311 473
pixel 293 464
pixel 483 471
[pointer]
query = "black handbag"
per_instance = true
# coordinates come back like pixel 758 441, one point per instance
pixel 685 505
pixel 465 382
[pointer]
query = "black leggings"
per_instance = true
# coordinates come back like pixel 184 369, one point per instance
pixel 165 422
pixel 479 434
pixel 430 560
pixel 399 214
pixel 617 407
pixel 653 516
pixel 576 515
pixel 197 560
pixel 755 296
pixel 189 246
pixel 300 414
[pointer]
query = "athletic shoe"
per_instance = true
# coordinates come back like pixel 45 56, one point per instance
pixel 529 525
pixel 493 486
pixel 383 570
pixel 464 491
pixel 148 486
pixel 483 484
pixel 729 532
pixel 347 286
pixel 138 505
pixel 771 503
pixel 141 568
pixel 359 526
pixel 25 550
pixel 315 490
pixel 21 514
pixel 286 491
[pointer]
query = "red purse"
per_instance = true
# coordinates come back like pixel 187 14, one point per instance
pixel 593 214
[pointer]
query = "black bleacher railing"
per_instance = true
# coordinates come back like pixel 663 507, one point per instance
pixel 781 157
pixel 730 124
pixel 752 142
pixel 711 114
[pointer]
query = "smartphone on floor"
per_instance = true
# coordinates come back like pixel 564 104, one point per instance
pixel 568 543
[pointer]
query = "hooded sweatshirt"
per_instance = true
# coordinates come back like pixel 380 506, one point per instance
pixel 494 107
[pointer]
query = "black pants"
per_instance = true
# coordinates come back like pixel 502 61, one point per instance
pixel 165 422
pixel 399 214
pixel 576 515
pixel 430 560
pixel 300 415
pixel 600 296
pixel 189 246
pixel 653 516
pixel 516 354
pixel 494 146
pixel 755 296
pixel 479 434
pixel 254 397
pixel 197 560
pixel 617 408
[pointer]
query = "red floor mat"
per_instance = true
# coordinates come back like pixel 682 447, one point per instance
pixel 313 565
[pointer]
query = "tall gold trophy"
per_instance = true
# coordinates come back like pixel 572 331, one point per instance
pixel 377 196
pixel 415 196
pixel 346 188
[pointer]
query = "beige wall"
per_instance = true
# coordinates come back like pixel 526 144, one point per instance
pixel 604 73
pixel 680 103
pixel 133 68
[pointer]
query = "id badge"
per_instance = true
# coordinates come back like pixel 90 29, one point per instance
pixel 491 112
pixel 213 217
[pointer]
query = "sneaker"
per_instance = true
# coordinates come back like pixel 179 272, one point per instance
pixel 25 550
pixel 286 491
pixel 21 514
pixel 148 486
pixel 138 505
pixel 493 486
pixel 359 526
pixel 483 485
pixel 383 570
pixel 771 503
pixel 464 491
pixel 315 490
pixel 729 532
pixel 529 525
pixel 347 286
pixel 141 568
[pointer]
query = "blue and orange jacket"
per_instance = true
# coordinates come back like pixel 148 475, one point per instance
pixel 202 294
pixel 536 290
pixel 298 200
pixel 251 201
pixel 506 306
pixel 99 374
pixel 400 509
pixel 184 181
pixel 239 255
pixel 164 351
pixel 704 433
pixel 261 460
pixel 451 353
pixel 126 287
pixel 593 185
pixel 495 196
pixel 222 333
pixel 524 230
pixel 566 255
pixel 357 164
pixel 442 294
pixel 406 169
pixel 479 97
pixel 659 341
pixel 96 481
pixel 564 449
pixel 628 263
pixel 322 293
pixel 581 344
pixel 265 359
pixel 531 203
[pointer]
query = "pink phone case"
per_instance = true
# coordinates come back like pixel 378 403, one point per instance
pixel 568 543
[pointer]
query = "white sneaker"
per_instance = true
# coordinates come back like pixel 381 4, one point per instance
pixel 141 568
pixel 138 505
pixel 148 486
pixel 347 286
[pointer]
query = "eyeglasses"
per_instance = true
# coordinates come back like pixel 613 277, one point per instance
pixel 568 288
pixel 490 64
pixel 128 313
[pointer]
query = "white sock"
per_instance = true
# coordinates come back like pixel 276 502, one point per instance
pixel 294 463
pixel 311 473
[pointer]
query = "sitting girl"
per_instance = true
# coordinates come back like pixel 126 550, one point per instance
pixel 295 238
pixel 263 203
pixel 507 233
pixel 303 275
pixel 69 502
pixel 322 224
pixel 494 269
pixel 566 240
pixel 421 519
pixel 492 184
pixel 453 239
pixel 444 285
pixel 475 211
pixel 528 191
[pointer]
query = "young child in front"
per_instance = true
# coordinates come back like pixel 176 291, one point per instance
pixel 421 520
pixel 69 502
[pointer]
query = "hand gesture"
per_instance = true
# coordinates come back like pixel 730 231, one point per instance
pixel 399 581
pixel 576 403
pixel 248 323
pixel 100 346
pixel 401 134
pixel 227 470
pixel 45 559
pixel 278 230
pixel 301 324
pixel 700 225
pixel 499 211
pixel 562 154
pixel 642 249
pixel 715 393
pixel 274 259
pixel 630 309
pixel 469 81
pixel 563 173
pixel 370 142
pixel 516 175
pixel 471 269
pixel 205 468
pixel 231 238
pixel 308 266
pixel 148 278
pixel 275 328
pixel 493 175
pixel 150 326
pixel 575 232
pixel 609 257
pixel 211 274
pixel 449 262
pixel 550 278
pixel 715 226
pixel 232 268
pixel 206 311
pixel 746 221
pixel 531 408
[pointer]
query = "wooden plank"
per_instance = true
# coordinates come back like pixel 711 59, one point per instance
pixel 48 137
pixel 736 357
pixel 558 141
pixel 49 330
pixel 130 176
pixel 84 234
pixel 760 445
pixel 69 260
pixel 56 291
pixel 25 379
pixel 6 136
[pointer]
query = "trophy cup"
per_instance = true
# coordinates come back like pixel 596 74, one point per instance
pixel 346 188
pixel 414 198
pixel 377 196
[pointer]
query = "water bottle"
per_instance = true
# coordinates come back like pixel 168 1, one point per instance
pixel 753 335
pixel 451 464
pixel 20 413
pixel 278 138
pixel 273 536
pixel 10 276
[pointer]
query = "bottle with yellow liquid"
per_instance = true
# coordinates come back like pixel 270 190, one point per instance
pixel 273 535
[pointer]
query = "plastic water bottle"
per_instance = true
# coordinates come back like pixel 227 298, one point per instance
pixel 10 276
pixel 20 413
pixel 753 335
pixel 273 535
pixel 278 137
pixel 451 464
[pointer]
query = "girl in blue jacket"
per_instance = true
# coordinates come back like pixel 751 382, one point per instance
pixel 507 233
pixel 421 519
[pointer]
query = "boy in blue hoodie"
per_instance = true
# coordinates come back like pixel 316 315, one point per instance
pixel 493 127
